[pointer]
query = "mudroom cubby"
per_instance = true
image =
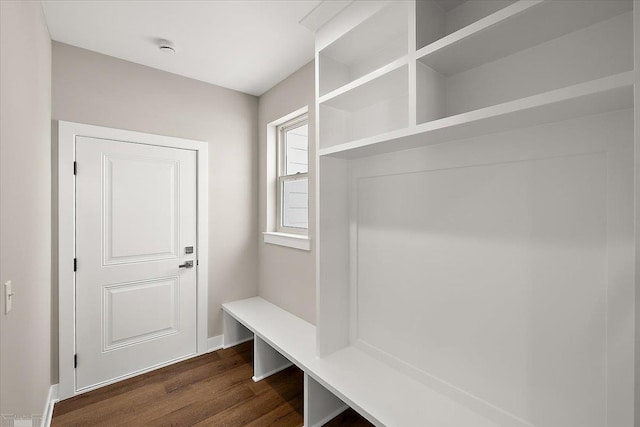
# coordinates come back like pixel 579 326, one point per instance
pixel 378 106
pixel 377 41
pixel 477 234
pixel 533 50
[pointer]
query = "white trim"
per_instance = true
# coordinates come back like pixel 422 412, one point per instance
pixel 282 176
pixel 52 398
pixel 67 132
pixel 272 167
pixel 319 402
pixel 296 241
pixel 234 332
pixel 214 343
pixel 367 78
pixel 271 372
pixel 292 115
pixel 322 13
pixel 597 96
pixel 235 343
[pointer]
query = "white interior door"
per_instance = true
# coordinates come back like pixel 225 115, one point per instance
pixel 135 230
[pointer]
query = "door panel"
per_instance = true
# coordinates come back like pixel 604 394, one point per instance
pixel 140 228
pixel 123 302
pixel 135 214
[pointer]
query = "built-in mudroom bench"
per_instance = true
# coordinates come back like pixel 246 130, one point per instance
pixel 346 378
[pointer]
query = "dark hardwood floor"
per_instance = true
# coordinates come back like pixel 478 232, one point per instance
pixel 215 389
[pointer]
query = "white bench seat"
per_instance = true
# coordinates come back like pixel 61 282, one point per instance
pixel 380 393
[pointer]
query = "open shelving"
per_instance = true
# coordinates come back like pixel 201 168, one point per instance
pixel 594 97
pixel 516 27
pixel 376 106
pixel 374 43
pixel 380 72
pixel 598 45
pixel 437 19
pixel 456 182
pixel 479 66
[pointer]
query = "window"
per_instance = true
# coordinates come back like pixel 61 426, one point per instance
pixel 293 176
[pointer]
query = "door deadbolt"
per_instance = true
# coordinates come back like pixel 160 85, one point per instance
pixel 187 264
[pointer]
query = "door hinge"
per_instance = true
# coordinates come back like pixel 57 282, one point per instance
pixel 75 168
pixel 75 264
pixel 197 262
pixel 75 360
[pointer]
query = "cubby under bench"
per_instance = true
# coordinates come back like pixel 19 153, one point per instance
pixel 346 378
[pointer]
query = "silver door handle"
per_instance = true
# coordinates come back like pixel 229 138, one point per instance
pixel 187 264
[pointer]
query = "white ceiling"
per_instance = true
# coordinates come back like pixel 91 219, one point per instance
pixel 248 46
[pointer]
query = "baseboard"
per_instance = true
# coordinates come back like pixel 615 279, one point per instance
pixel 52 398
pixel 233 344
pixel 214 343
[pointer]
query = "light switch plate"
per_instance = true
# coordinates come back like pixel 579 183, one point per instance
pixel 8 293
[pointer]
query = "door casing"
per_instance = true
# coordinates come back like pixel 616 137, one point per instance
pixel 64 180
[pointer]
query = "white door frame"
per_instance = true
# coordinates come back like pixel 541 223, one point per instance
pixel 67 133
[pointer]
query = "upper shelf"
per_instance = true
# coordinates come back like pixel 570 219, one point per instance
pixel 594 97
pixel 518 26
pixel 374 43
pixel 371 90
pixel 364 80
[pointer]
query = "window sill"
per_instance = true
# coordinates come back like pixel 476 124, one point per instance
pixel 295 241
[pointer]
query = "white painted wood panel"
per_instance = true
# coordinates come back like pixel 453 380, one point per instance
pixel 135 214
pixel 472 11
pixel 152 232
pixel 378 106
pixel 320 405
pixel 382 394
pixel 600 50
pixel 498 268
pixel 333 299
pixel 157 298
pixel 234 332
pixel 438 18
pixel 491 268
pixel 266 360
pixel 512 29
pixel 375 42
pixel 602 95
pixel 68 134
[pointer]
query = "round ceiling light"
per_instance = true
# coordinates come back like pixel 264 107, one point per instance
pixel 166 46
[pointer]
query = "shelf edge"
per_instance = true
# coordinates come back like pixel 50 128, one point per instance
pixel 545 99
pixel 361 81
pixel 471 30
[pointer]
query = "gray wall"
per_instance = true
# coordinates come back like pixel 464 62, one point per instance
pixel 287 276
pixel 25 207
pixel 101 90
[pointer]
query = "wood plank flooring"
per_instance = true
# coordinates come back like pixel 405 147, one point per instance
pixel 215 389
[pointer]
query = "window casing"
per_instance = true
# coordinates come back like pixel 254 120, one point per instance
pixel 293 176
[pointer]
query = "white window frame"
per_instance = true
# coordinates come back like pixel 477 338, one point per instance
pixel 282 177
